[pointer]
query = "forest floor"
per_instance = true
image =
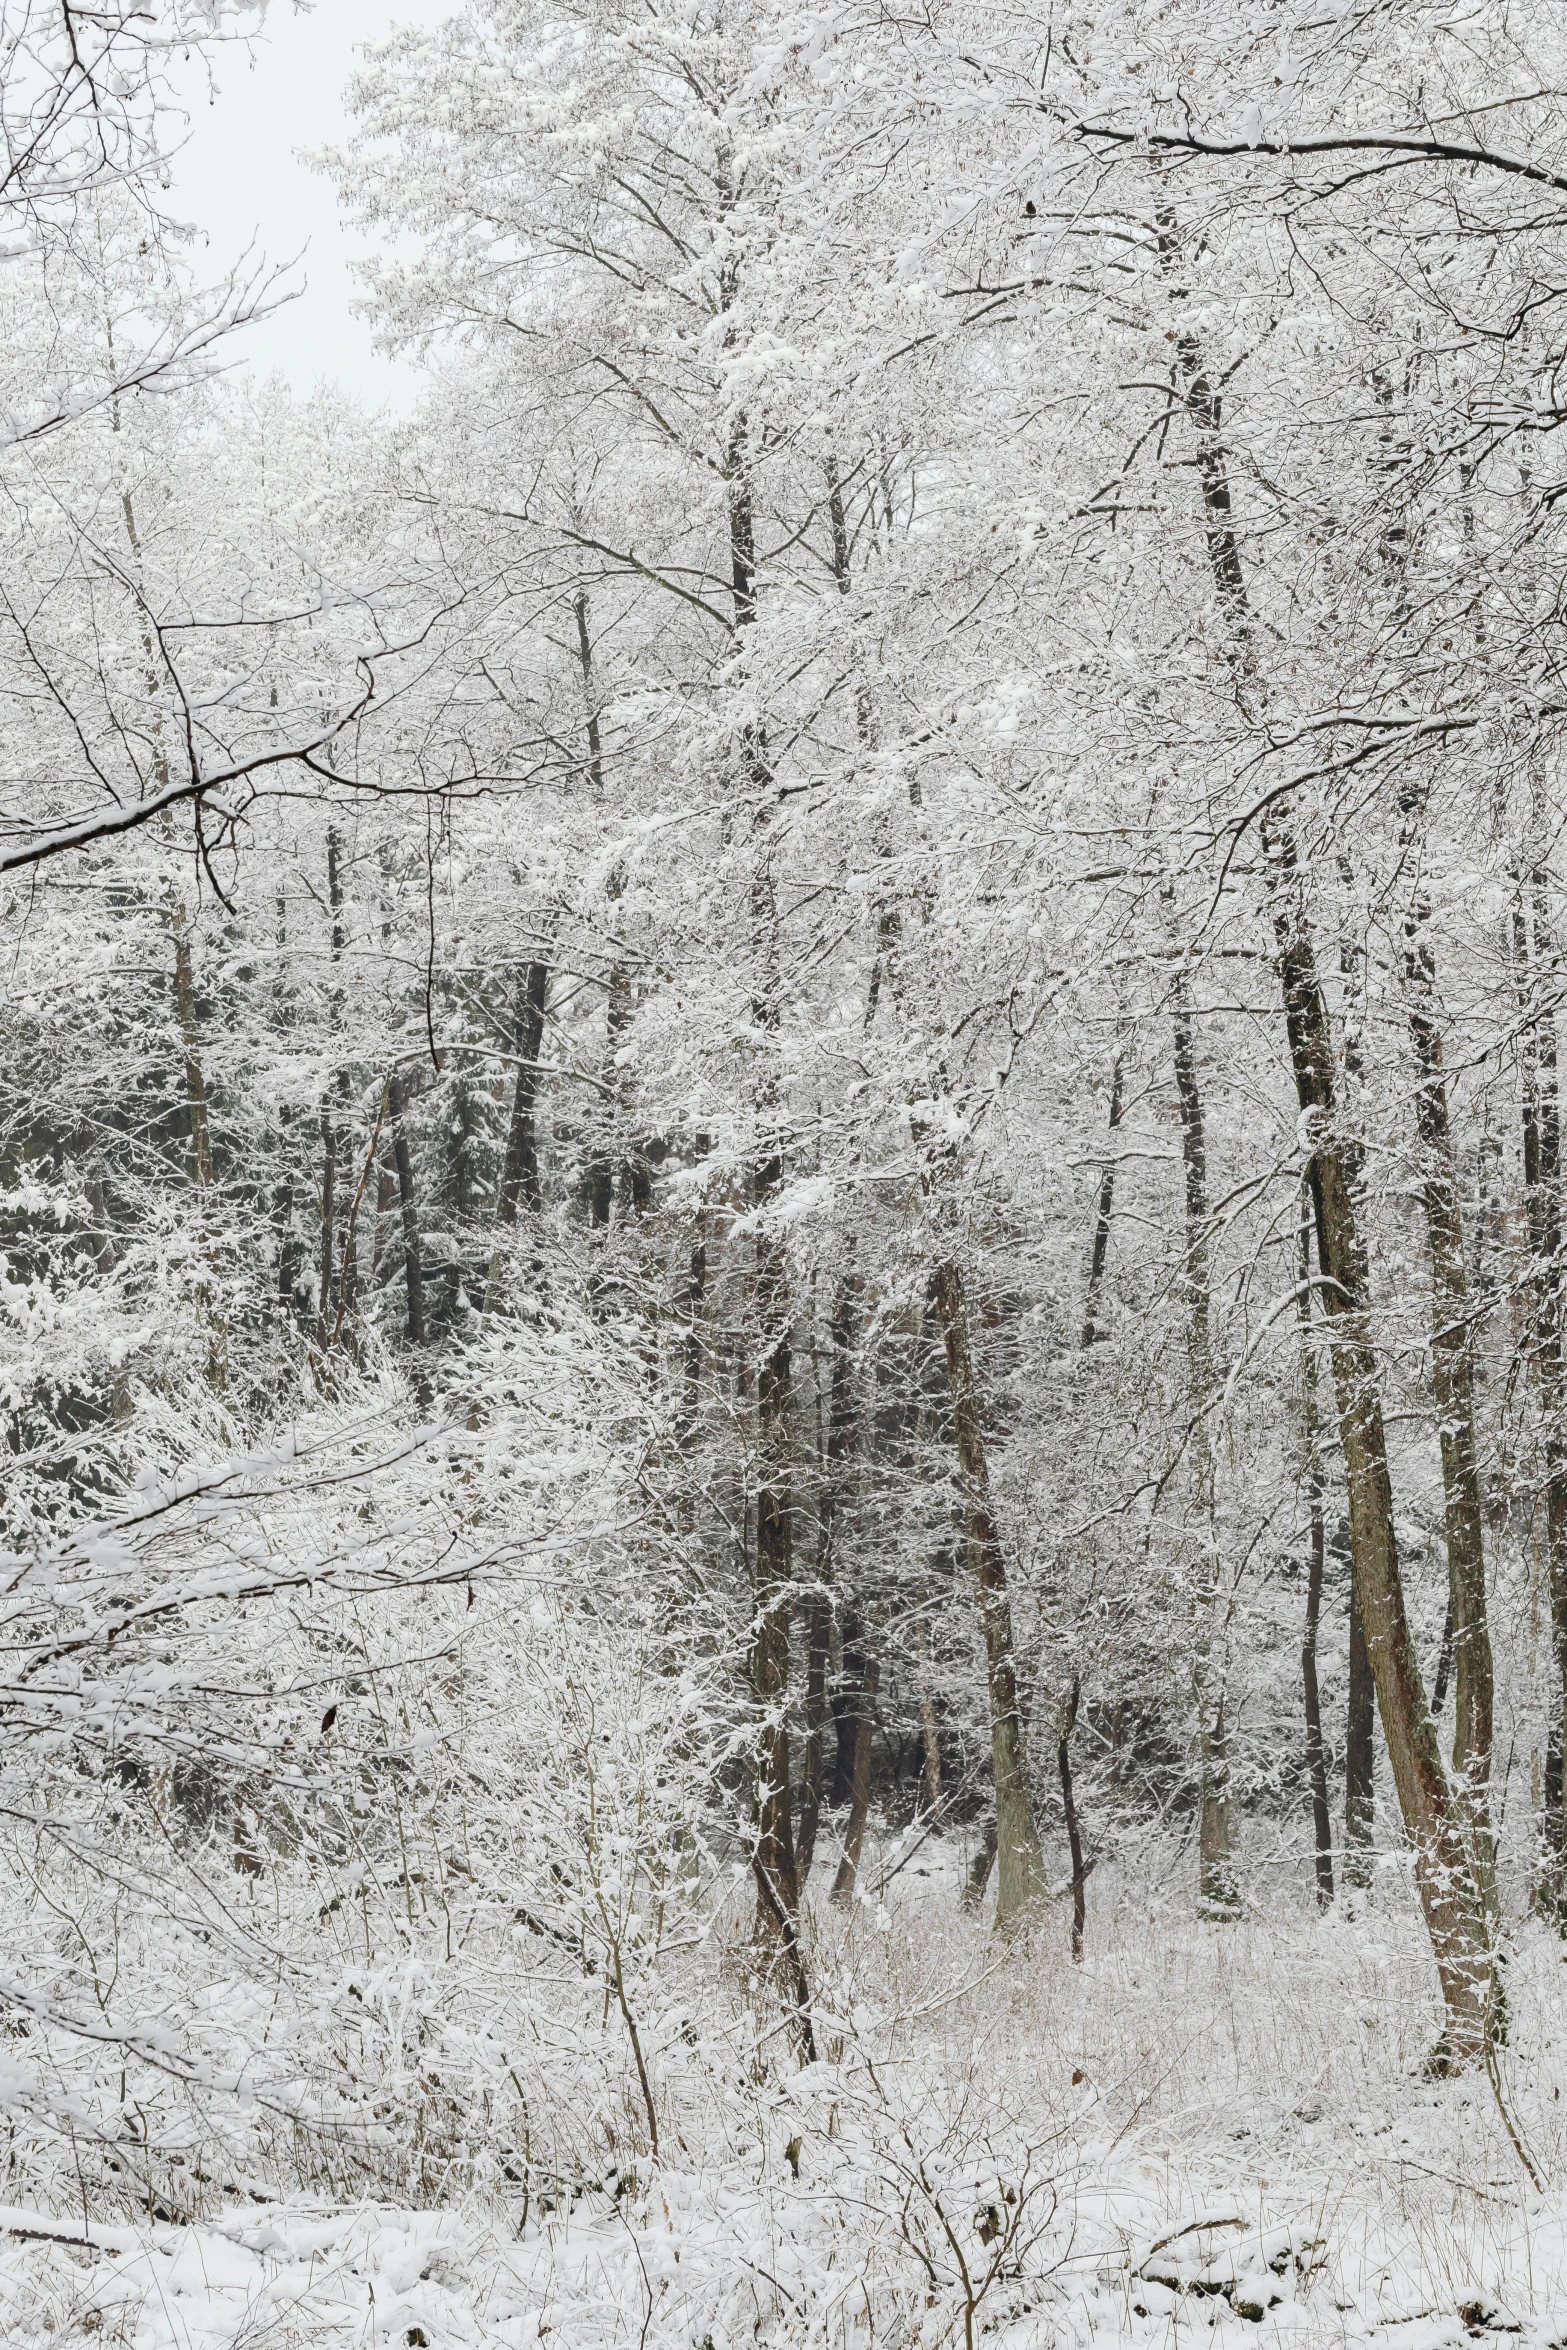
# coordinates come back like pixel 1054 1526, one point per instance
pixel 1203 2133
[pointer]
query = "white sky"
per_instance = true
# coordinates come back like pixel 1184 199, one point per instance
pixel 240 178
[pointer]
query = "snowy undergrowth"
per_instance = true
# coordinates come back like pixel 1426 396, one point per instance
pixel 1204 2130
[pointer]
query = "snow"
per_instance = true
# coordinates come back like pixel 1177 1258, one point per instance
pixel 1249 2154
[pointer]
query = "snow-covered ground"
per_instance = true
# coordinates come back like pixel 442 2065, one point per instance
pixel 1209 2133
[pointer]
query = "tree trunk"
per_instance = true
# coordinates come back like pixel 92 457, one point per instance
pixel 980 1867
pixel 1020 1872
pixel 689 1420
pixel 1434 1821
pixel 818 1644
pixel 202 1172
pixel 289 1252
pixel 930 1727
pixel 1452 1368
pixel 606 1156
pixel 860 1791
pixel 520 1186
pixel 385 1194
pixel 413 1256
pixel 772 1593
pixel 1360 1797
pixel 1360 1723
pixel 836 1437
pixel 195 1082
pixel 328 1226
pixel 1316 1748
pixel 772 1597
pixel 1103 1215
pixel 1467 1639
pixel 346 1272
pixel 1074 1834
pixel 601 1183
pixel 845 1703
pixel 1218 1893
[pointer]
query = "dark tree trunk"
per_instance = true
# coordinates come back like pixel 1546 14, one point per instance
pixel 818 1644
pixel 1444 1664
pixel 860 1786
pixel 980 1867
pixel 595 763
pixel 203 1174
pixel 413 1256
pixel 1103 1215
pixel 606 1155
pixel 520 1185
pixel 328 1224
pixel 1316 1749
pixel 845 1704
pixel 1074 1834
pixel 695 1353
pixel 772 1594
pixel 1217 1891
pixel 289 1253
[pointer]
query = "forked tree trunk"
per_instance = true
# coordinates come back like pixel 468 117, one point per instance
pixel 1434 1821
pixel 1467 1638
pixel 1020 1864
pixel 1217 1891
